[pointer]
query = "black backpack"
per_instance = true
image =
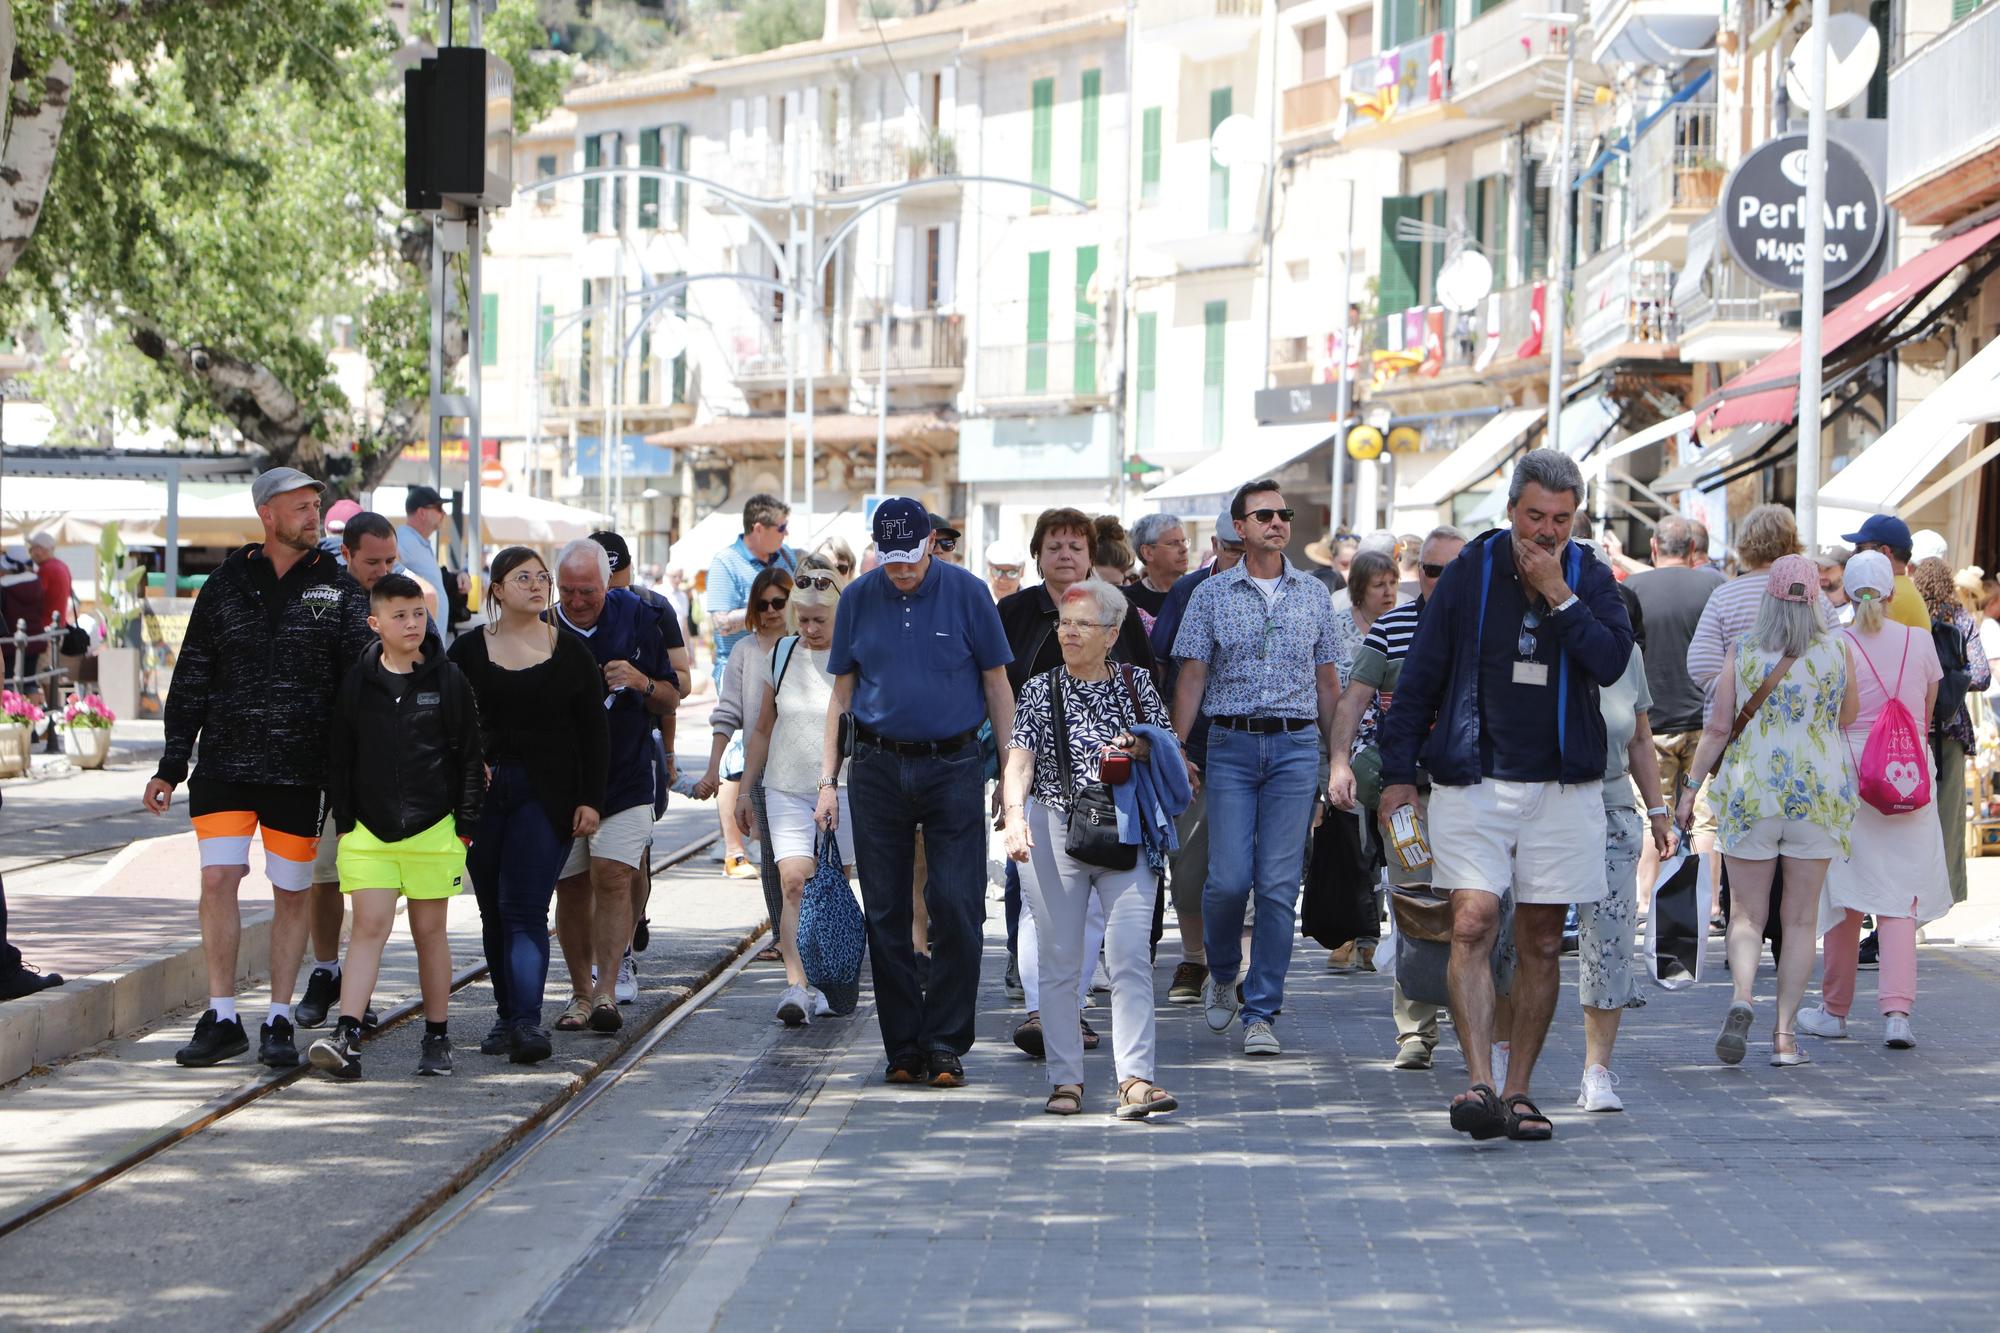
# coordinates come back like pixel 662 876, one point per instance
pixel 1957 678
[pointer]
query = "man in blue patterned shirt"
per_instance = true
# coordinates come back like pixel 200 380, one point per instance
pixel 1257 659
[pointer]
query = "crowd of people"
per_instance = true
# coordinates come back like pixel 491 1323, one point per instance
pixel 1499 739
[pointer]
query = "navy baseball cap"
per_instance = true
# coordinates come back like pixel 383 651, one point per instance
pixel 1884 529
pixel 615 549
pixel 902 528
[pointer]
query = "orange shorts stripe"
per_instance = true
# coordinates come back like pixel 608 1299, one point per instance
pixel 289 846
pixel 226 824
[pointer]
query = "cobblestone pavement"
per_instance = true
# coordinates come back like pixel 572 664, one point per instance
pixel 1325 1189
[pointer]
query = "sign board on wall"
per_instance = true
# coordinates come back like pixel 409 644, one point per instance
pixel 1764 213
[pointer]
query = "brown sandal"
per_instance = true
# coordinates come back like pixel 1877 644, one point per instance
pixel 1065 1099
pixel 1138 1099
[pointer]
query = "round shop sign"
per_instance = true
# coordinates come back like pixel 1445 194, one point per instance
pixel 1764 214
pixel 1364 443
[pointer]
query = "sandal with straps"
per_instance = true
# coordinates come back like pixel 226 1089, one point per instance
pixel 1065 1099
pixel 1480 1114
pixel 1521 1111
pixel 1138 1099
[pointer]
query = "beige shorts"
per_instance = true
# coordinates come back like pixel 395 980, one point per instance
pixel 621 837
pixel 325 867
pixel 1543 840
pixel 1798 838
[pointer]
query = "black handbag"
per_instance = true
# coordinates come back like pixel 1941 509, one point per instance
pixel 1091 835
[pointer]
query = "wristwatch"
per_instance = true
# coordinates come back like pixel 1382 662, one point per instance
pixel 824 783
pixel 1565 605
pixel 1657 810
pixel 650 682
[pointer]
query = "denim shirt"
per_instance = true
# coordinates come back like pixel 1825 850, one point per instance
pixel 1263 657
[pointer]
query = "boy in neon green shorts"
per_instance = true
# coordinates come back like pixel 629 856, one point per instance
pixel 406 781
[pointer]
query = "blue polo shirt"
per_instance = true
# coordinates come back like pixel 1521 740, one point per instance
pixel 916 657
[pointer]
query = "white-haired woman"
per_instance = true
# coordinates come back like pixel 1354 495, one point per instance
pixel 1897 870
pixel 782 754
pixel 1784 789
pixel 1101 703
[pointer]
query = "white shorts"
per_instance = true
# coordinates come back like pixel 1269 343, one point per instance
pixel 622 837
pixel 791 816
pixel 1541 839
pixel 1773 837
pixel 324 869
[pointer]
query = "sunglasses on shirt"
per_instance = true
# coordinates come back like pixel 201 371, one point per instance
pixel 772 603
pixel 1266 515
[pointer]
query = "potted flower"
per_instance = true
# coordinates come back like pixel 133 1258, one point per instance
pixel 18 714
pixel 86 727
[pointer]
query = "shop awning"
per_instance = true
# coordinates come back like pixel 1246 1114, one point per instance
pixel 1651 435
pixel 1768 392
pixel 928 431
pixel 1474 460
pixel 1255 453
pixel 1890 471
pixel 1585 423
pixel 511 516
pixel 1705 473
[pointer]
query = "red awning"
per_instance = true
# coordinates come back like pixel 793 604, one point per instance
pixel 1744 400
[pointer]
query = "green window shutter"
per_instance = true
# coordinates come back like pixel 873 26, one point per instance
pixel 1402 21
pixel 1149 156
pixel 646 365
pixel 1086 321
pixel 1962 9
pixel 677 159
pixel 1434 250
pixel 1148 354
pixel 1038 322
pixel 649 189
pixel 1214 324
pixel 1087 178
pixel 1497 251
pixel 1219 103
pixel 593 190
pixel 616 158
pixel 1396 284
pixel 489 329
pixel 1041 147
pixel 545 333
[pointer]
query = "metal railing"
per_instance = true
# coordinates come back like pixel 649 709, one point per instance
pixel 931 341
pixel 1406 331
pixel 882 157
pixel 1398 80
pixel 1621 300
pixel 1503 39
pixel 1925 135
pixel 1724 293
pixel 1166 13
pixel 1674 165
pixel 1041 372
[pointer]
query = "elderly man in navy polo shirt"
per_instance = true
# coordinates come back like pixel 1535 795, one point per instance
pixel 920 660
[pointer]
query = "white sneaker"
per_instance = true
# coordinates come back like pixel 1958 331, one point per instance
pixel 627 989
pixel 1219 1003
pixel 820 1007
pixel 1597 1094
pixel 1100 980
pixel 1258 1039
pixel 1896 1032
pixel 795 1007
pixel 1499 1061
pixel 1820 1023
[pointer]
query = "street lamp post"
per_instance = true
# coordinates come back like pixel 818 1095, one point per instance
pixel 1555 307
pixel 1812 300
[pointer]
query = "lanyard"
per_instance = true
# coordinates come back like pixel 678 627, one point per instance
pixel 1572 568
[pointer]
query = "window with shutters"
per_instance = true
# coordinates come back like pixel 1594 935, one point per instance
pixel 1146 393
pixel 1041 138
pixel 545 333
pixel 1037 368
pixel 933 258
pixel 593 190
pixel 1149 156
pixel 646 365
pixel 1214 325
pixel 1086 321
pixel 649 188
pixel 1219 104
pixel 489 329
pixel 1087 174
pixel 677 160
pixel 1402 261
pixel 1486 221
pixel 1537 249
pixel 1434 213
pixel 1312 51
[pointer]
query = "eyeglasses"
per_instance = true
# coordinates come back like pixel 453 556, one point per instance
pixel 1266 515
pixel 780 528
pixel 1530 622
pixel 1433 571
pixel 944 543
pixel 1006 571
pixel 772 603
pixel 530 582
pixel 1079 626
pixel 824 582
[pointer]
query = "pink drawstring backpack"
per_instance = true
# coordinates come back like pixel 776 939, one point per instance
pixel 1893 771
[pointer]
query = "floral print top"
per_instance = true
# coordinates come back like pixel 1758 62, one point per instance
pixel 1977 667
pixel 1791 761
pixel 1347 640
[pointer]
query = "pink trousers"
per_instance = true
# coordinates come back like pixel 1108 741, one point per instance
pixel 1895 985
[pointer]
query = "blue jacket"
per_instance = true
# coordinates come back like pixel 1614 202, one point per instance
pixel 1157 793
pixel 1434 719
pixel 1165 626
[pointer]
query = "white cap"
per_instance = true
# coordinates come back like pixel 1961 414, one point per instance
pixel 43 538
pixel 1925 543
pixel 1005 553
pixel 1869 572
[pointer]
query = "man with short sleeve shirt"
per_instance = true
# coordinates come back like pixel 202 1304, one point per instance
pixel 920 661
pixel 1257 655
pixel 766 520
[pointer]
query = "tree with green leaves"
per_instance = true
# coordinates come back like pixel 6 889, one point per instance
pixel 210 183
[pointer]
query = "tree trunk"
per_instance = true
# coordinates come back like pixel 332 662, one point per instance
pixel 39 103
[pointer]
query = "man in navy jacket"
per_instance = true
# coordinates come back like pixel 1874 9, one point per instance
pixel 1498 700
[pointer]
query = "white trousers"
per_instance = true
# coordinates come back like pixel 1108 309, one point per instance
pixel 1061 891
pixel 1028 953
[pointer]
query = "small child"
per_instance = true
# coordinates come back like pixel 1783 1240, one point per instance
pixel 406 782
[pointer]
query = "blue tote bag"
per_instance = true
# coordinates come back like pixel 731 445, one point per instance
pixel 832 934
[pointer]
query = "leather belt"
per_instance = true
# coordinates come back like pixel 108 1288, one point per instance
pixel 1262 726
pixel 948 745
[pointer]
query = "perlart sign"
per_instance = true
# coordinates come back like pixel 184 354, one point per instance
pixel 1764 214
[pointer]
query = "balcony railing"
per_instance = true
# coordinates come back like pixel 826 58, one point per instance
pixel 1168 13
pixel 1623 301
pixel 1312 105
pixel 929 343
pixel 1723 294
pixel 1040 372
pixel 1423 341
pixel 1674 166
pixel 1504 38
pixel 1398 80
pixel 885 157
pixel 1926 136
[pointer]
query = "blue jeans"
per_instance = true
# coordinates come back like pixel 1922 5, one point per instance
pixel 514 860
pixel 891 796
pixel 1260 804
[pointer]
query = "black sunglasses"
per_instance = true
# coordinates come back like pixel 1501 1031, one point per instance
pixel 772 603
pixel 1433 571
pixel 944 543
pixel 824 582
pixel 1266 515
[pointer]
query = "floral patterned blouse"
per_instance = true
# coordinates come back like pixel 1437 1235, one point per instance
pixel 1977 667
pixel 1094 710
pixel 1791 762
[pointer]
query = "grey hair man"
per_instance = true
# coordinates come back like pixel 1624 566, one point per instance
pixel 1162 546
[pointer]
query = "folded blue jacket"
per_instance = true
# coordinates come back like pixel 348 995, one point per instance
pixel 1157 793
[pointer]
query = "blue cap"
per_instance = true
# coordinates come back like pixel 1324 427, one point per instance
pixel 901 527
pixel 1882 529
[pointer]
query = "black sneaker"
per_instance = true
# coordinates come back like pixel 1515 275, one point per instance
pixel 642 935
pixel 529 1045
pixel 370 1020
pixel 23 981
pixel 946 1071
pixel 322 993
pixel 215 1040
pixel 338 1055
pixel 907 1068
pixel 1011 980
pixel 495 1040
pixel 436 1059
pixel 276 1045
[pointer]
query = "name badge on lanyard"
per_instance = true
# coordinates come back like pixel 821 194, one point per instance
pixel 1531 673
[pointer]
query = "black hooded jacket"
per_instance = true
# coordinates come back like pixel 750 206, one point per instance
pixel 399 765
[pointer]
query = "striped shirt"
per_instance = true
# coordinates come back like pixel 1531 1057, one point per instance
pixel 1730 614
pixel 1378 664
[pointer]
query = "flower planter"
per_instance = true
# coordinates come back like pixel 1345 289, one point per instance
pixel 13 750
pixel 88 746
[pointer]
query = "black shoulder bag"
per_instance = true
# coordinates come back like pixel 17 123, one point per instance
pixel 1092 832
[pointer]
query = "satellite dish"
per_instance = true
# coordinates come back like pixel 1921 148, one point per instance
pixel 1853 50
pixel 1236 142
pixel 670 337
pixel 1465 280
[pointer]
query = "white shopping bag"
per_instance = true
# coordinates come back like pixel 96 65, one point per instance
pixel 1676 945
pixel 1385 952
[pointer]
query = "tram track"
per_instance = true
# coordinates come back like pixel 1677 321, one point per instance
pixel 221 1107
